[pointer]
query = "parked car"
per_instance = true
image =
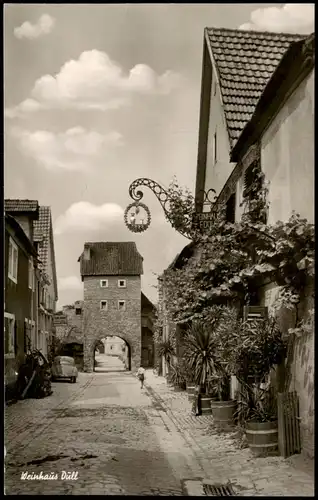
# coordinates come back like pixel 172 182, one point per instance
pixel 63 367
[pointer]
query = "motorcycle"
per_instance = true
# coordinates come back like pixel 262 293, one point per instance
pixel 34 378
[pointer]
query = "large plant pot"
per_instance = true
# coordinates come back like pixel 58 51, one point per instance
pixel 262 438
pixel 223 413
pixel 205 400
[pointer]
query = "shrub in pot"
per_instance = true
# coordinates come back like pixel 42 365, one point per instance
pixel 166 350
pixel 257 410
pixel 258 348
pixel 177 376
pixel 201 355
pixel 222 405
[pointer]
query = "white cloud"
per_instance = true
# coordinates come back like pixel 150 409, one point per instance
pixel 87 216
pixel 70 283
pixel 291 17
pixel 94 81
pixel 44 26
pixel 74 149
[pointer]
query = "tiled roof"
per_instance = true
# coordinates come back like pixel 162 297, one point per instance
pixel 42 228
pixel 112 259
pixel 245 61
pixel 297 62
pixel 21 205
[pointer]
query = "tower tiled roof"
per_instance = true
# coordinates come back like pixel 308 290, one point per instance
pixel 111 259
pixel 245 61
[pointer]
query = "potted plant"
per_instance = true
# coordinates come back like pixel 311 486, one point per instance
pixel 222 405
pixel 201 357
pixel 166 350
pixel 259 347
pixel 257 410
pixel 177 376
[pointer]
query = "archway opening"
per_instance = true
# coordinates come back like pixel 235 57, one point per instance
pixel 112 354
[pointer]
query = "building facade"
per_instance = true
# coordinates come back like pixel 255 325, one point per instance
pixel 280 139
pixel 20 297
pixel 111 273
pixel 36 223
pixel 265 85
pixel 47 284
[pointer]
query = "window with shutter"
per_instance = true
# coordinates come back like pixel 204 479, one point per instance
pixel 9 335
pixel 249 178
pixel 252 313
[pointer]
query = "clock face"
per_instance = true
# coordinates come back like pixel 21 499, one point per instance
pixel 137 217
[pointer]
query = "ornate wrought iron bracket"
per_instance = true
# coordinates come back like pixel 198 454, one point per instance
pixel 164 199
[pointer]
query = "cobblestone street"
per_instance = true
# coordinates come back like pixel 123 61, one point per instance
pixel 119 439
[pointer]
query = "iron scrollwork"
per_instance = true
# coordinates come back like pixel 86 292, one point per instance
pixel 165 200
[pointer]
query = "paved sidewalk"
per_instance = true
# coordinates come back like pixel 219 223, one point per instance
pixel 219 456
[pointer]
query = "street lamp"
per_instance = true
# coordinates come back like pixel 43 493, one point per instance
pixel 138 220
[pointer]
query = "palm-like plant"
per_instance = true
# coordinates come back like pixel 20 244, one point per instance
pixel 201 352
pixel 166 350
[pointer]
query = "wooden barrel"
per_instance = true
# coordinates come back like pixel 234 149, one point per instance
pixel 205 404
pixel 262 438
pixel 223 412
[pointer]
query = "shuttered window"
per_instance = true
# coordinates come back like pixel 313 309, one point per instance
pixel 249 178
pixel 252 313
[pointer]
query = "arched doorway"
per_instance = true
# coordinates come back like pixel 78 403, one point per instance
pixel 114 356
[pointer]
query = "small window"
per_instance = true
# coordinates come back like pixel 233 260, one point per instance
pixel 121 305
pixel 9 335
pixel 122 283
pixel 13 261
pixel 103 305
pixel 104 283
pixel 78 311
pixel 215 147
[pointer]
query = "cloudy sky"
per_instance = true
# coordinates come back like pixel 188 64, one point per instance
pixel 99 95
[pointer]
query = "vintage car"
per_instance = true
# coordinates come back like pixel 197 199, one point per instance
pixel 63 367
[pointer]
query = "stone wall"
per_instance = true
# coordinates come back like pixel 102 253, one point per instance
pixel 99 323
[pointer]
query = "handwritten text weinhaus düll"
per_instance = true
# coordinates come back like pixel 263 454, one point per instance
pixel 52 476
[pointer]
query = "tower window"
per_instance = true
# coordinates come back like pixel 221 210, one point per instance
pixel 103 305
pixel 121 305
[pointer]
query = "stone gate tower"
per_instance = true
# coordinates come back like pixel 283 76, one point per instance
pixel 111 273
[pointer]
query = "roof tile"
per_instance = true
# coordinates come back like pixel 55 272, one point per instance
pixel 15 205
pixel 42 228
pixel 245 62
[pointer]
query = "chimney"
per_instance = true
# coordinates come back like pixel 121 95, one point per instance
pixel 87 253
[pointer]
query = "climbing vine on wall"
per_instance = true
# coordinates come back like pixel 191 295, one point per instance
pixel 231 259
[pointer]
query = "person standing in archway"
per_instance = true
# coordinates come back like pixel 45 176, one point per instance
pixel 141 376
